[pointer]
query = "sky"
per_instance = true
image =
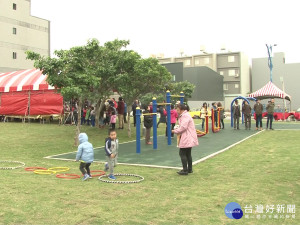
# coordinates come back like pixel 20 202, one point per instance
pixel 173 26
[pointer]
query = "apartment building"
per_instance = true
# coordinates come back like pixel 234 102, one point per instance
pixel 233 66
pixel 21 32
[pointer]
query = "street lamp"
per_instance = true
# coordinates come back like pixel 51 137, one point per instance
pixel 270 53
pixel 284 102
pixel 181 52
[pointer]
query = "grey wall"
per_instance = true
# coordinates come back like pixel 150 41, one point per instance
pixel 175 69
pixel 289 72
pixel 209 84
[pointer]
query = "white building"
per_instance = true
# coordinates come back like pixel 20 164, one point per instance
pixel 21 32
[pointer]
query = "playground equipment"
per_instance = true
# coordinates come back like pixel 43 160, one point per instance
pixel 138 128
pixel 21 164
pixel 154 105
pixel 202 133
pixel 44 172
pixel 59 169
pixel 35 168
pixel 168 96
pixel 231 109
pixel 68 176
pixel 100 173
pixel 54 170
pixel 122 182
pixel 214 128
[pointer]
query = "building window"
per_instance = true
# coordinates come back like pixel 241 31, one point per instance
pixel 187 62
pixel 14 6
pixel 225 87
pixel 197 61
pixel 236 86
pixel 231 58
pixel 231 73
pixel 222 73
pixel 14 30
pixel 14 55
pixel 206 61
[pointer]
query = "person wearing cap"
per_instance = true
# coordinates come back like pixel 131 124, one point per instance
pixel 258 109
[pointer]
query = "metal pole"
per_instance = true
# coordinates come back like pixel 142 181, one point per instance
pixel 284 102
pixel 213 120
pixel 138 130
pixel 206 124
pixel 168 97
pixel 154 104
pixel 182 97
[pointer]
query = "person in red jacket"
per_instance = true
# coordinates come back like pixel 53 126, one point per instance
pixel 174 116
pixel 114 102
pixel 120 109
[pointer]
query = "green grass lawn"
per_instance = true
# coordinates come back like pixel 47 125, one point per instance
pixel 262 170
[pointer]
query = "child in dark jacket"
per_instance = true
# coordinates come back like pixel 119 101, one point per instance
pixel 148 123
pixel 111 151
pixel 85 154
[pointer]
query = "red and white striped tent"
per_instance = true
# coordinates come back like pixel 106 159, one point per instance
pixel 26 92
pixel 270 90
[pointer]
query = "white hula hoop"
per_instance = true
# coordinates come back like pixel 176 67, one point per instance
pixel 13 167
pixel 122 182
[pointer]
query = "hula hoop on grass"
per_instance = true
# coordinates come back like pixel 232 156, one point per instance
pixel 35 168
pixel 13 167
pixel 59 169
pixel 44 172
pixel 68 176
pixel 122 182
pixel 97 175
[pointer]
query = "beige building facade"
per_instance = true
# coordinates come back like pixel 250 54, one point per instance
pixel 21 32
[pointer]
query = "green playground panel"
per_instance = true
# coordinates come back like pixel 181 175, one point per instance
pixel 168 155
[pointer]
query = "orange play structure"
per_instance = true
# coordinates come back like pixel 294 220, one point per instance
pixel 202 133
pixel 214 128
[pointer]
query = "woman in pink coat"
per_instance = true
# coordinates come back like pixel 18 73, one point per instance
pixel 188 138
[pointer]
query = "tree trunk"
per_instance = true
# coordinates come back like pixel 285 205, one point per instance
pixel 98 110
pixel 77 131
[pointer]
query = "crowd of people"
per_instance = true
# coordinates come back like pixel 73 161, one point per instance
pixel 186 130
pixel 113 110
pixel 247 111
pixel 206 111
pixel 237 113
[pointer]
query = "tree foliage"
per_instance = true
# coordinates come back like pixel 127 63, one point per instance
pixel 139 77
pixel 93 71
